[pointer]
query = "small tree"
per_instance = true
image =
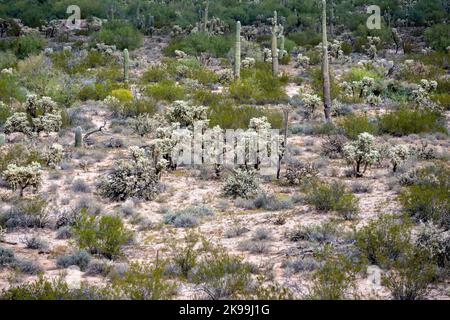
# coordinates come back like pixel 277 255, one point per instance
pixel 361 153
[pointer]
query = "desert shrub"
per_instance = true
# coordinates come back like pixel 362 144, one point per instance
pixel 242 183
pixel 155 73
pixel 227 115
pixel 437 242
pixel 30 213
pixel 104 235
pixel 57 289
pixel 353 125
pixel 120 34
pixel 326 232
pixel 7 257
pixel 20 155
pixel 303 264
pixel 144 282
pixel 123 95
pixel 254 246
pixel 361 153
pixel 197 43
pixel 411 274
pixel 332 197
pixel 383 240
pixel 131 178
pixel 334 279
pixel 428 198
pixel 235 231
pixel 36 243
pixel 308 37
pixel 299 172
pixel 166 90
pixel 7 59
pixel 79 185
pixel 222 276
pixel 271 202
pixel 64 232
pixel 437 37
pixel 360 187
pixel 188 217
pixel 404 122
pixel 333 146
pixel 80 258
pixel 25 46
pixel 28 266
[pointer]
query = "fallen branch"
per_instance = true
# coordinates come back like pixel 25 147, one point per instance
pixel 100 129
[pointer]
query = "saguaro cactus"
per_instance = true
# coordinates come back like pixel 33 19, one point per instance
pixel 205 17
pixel 78 138
pixel 237 57
pixel 325 67
pixel 282 46
pixel 275 30
pixel 2 139
pixel 126 64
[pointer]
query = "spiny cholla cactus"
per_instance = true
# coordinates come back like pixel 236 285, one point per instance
pixel 363 89
pixel 54 155
pixel 398 154
pixel 299 172
pixel 371 48
pixel 242 183
pixel 436 241
pixel 185 114
pixel 225 76
pixel 143 124
pixel 421 95
pixel 335 50
pixel 21 177
pixel 43 114
pixel 302 61
pixel 361 153
pixel 133 178
pixel 311 103
pixel 248 63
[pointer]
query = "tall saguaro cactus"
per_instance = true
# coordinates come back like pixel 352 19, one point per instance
pixel 325 67
pixel 275 30
pixel 237 53
pixel 126 64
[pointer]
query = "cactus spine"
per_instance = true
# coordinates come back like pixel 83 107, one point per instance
pixel 237 57
pixel 126 64
pixel 78 138
pixel 325 67
pixel 274 45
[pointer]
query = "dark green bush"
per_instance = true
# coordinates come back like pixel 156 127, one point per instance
pixel 119 33
pixel 197 43
pixel 405 121
pixel 353 125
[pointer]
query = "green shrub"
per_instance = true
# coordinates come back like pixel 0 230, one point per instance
pixel 437 36
pixel 119 33
pixel 335 279
pixel 196 43
pixel 428 198
pixel 308 37
pixel 104 235
pixel 353 125
pixel 404 122
pixel 332 197
pixel 25 46
pixel 166 90
pixel 188 217
pixel 383 240
pixel 144 282
pixel 222 276
pixel 228 116
pixel 57 289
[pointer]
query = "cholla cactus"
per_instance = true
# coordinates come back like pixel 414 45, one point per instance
pixel 311 103
pixel 302 61
pixel 180 54
pixel 365 87
pixel 225 76
pixel 297 173
pixel 421 95
pixel 361 153
pixel 54 155
pixel 18 122
pixel 398 154
pixel 43 117
pixel 243 183
pixel 371 47
pixel 248 63
pixel 21 177
pixel 335 50
pixel 134 178
pixel 185 114
pixel 144 124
